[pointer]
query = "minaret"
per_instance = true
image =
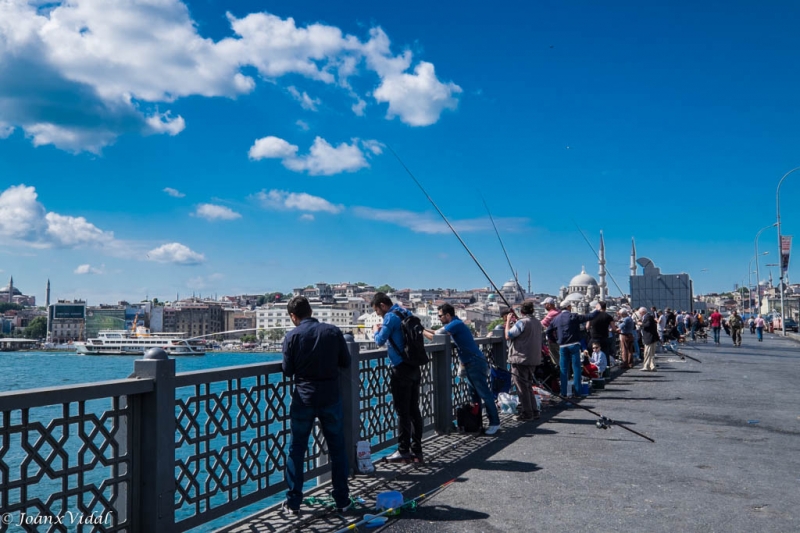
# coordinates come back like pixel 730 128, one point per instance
pixel 602 272
pixel 633 257
pixel 47 295
pixel 529 282
pixel 11 290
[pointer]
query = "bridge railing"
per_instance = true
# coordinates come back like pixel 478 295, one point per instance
pixel 167 452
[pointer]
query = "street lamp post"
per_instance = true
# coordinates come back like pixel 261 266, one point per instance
pixel 758 278
pixel 780 259
pixel 749 279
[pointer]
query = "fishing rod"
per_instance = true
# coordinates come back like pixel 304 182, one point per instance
pixel 598 258
pixel 423 496
pixel 446 221
pixel 487 275
pixel 513 272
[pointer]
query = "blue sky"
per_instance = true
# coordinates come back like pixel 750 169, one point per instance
pixel 160 148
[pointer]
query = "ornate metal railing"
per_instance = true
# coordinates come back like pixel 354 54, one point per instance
pixel 167 452
pixel 68 458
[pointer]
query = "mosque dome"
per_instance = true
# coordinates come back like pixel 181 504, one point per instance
pixel 574 297
pixel 510 284
pixel 7 288
pixel 583 280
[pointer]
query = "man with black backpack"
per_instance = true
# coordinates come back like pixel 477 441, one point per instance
pixel 405 379
pixel 474 362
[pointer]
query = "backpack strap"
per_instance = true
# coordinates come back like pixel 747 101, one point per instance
pixel 389 338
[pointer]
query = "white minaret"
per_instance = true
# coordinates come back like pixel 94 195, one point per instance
pixel 602 272
pixel 633 257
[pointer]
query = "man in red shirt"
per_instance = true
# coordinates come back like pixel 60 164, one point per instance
pixel 552 312
pixel 716 324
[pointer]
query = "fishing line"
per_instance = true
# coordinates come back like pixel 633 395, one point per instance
pixel 513 272
pixel 446 221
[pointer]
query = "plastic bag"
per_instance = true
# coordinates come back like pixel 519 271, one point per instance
pixel 364 457
pixel 508 403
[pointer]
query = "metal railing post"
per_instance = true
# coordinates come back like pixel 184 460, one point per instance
pixel 154 446
pixel 499 347
pixel 349 385
pixel 442 367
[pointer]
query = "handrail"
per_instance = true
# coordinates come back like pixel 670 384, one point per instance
pixel 28 398
pixel 198 377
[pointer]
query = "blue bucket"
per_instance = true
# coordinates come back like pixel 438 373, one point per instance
pixel 584 389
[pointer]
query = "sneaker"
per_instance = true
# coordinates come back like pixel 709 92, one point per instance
pixel 399 456
pixel 491 430
pixel 288 510
pixel 344 509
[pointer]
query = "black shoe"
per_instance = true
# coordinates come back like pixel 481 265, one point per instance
pixel 342 510
pixel 288 510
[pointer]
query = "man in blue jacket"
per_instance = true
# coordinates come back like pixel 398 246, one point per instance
pixel 404 382
pixel 313 353
pixel 566 328
pixel 475 364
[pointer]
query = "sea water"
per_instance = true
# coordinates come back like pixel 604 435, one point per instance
pixel 33 370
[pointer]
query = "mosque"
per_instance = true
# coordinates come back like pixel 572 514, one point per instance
pixel 584 291
pixel 11 294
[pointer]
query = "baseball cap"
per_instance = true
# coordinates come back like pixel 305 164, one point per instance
pixel 549 300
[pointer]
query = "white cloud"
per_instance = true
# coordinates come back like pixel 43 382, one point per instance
pixel 176 253
pixel 307 217
pixel 175 193
pixel 76 231
pixel 358 107
pixel 87 269
pixel 216 212
pixel 301 201
pixel 271 148
pixel 5 130
pixel 306 102
pixel 433 224
pixel 419 98
pixel 323 159
pixel 79 74
pixel 25 222
pixel 21 214
pixel 302 124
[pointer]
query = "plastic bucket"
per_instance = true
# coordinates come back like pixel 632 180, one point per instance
pixel 389 500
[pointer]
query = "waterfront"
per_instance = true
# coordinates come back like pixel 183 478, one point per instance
pixel 31 370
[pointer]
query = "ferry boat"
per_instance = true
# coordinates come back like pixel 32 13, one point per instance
pixel 138 340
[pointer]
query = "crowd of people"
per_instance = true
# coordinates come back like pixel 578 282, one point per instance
pixel 569 345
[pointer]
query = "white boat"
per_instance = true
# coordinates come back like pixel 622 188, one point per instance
pixel 138 341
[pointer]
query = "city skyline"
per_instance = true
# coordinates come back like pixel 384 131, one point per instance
pixel 244 147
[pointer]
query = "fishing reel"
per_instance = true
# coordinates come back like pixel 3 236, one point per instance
pixel 603 423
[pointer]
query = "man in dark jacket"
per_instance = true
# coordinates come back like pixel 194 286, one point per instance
pixel 313 353
pixel 649 339
pixel 566 328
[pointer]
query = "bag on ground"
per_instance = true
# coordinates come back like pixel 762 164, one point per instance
pixel 364 457
pixel 508 403
pixel 468 418
pixel 499 381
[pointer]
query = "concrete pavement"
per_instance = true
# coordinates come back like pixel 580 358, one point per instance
pixel 726 458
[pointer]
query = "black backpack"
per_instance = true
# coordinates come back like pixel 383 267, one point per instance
pixel 413 352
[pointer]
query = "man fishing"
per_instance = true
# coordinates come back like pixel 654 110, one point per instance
pixel 524 354
pixel 473 361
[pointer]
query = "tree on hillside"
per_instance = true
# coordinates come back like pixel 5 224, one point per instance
pixel 37 329
pixel 261 334
pixel 360 284
pixel 261 300
pixel 494 323
pixel 385 288
pixel 5 306
pixel 276 334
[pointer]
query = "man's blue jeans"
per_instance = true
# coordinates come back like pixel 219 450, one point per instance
pixel 302 421
pixel 570 355
pixel 716 329
pixel 636 351
pixel 479 389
